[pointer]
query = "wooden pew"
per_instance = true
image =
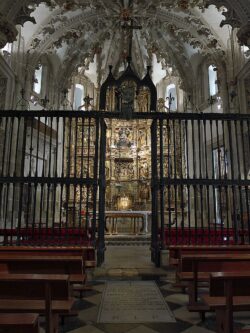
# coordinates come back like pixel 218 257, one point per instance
pixel 49 295
pixel 229 292
pixel 88 253
pixel 44 264
pixel 78 276
pixel 196 268
pixel 19 322
pixel 176 251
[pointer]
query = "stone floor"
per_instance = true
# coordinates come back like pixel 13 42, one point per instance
pixel 127 262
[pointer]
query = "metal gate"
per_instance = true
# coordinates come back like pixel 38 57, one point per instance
pixel 201 180
pixel 49 177
pixel 52 178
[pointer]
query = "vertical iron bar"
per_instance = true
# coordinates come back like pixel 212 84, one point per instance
pixel 240 215
pixel 102 188
pixel 2 192
pixel 225 178
pixel 213 178
pixel 22 175
pixel 175 187
pixel 162 199
pixel 75 174
pixel 233 177
pixel 181 150
pixel 207 187
pixel 194 177
pixel 88 175
pixel 200 176
pixel 188 177
pixel 219 154
pixel 154 189
pixel 81 174
pixel 95 186
pixel 169 177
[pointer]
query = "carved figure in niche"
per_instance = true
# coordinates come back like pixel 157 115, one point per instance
pixel 127 96
pixel 118 96
pixel 161 107
pixel 107 171
pixel 124 137
pixel 144 192
pixel 142 137
pixel 143 101
pixel 144 171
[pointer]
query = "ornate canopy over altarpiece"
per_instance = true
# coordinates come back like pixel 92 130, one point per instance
pixel 128 93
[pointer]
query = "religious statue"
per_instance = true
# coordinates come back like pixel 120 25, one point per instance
pixel 143 101
pixel 87 104
pixel 127 97
pixel 161 107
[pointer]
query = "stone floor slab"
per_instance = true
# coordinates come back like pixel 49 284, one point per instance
pixel 133 302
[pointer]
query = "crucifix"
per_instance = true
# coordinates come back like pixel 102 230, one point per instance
pixel 170 100
pixel 87 103
pixel 128 24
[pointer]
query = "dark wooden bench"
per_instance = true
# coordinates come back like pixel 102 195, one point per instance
pixel 176 251
pixel 19 322
pixel 196 268
pixel 49 295
pixel 45 263
pixel 88 253
pixel 228 292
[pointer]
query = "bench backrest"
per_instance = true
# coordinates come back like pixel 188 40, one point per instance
pixel 28 288
pixel 239 283
pixel 88 253
pixel 215 263
pixel 41 264
pixel 178 251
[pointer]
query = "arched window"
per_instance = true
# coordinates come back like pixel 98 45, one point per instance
pixel 78 96
pixel 212 77
pixel 171 97
pixel 38 79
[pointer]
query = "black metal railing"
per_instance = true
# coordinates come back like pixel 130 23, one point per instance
pixel 48 177
pixel 202 183
pixel 52 178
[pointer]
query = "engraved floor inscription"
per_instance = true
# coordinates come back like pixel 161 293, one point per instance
pixel 133 302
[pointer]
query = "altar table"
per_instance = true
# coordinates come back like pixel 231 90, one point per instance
pixel 135 215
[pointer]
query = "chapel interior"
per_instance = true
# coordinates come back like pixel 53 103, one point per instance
pixel 124 156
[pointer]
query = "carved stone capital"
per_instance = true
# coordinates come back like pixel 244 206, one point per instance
pixel 8 32
pixel 244 35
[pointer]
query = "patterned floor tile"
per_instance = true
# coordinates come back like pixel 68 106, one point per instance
pixel 95 299
pixel 71 323
pixel 210 324
pixel 142 329
pixel 89 316
pixel 116 328
pixel 197 329
pixel 181 299
pixel 182 313
pixel 177 327
pixel 82 304
pixel 174 306
pixel 87 329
